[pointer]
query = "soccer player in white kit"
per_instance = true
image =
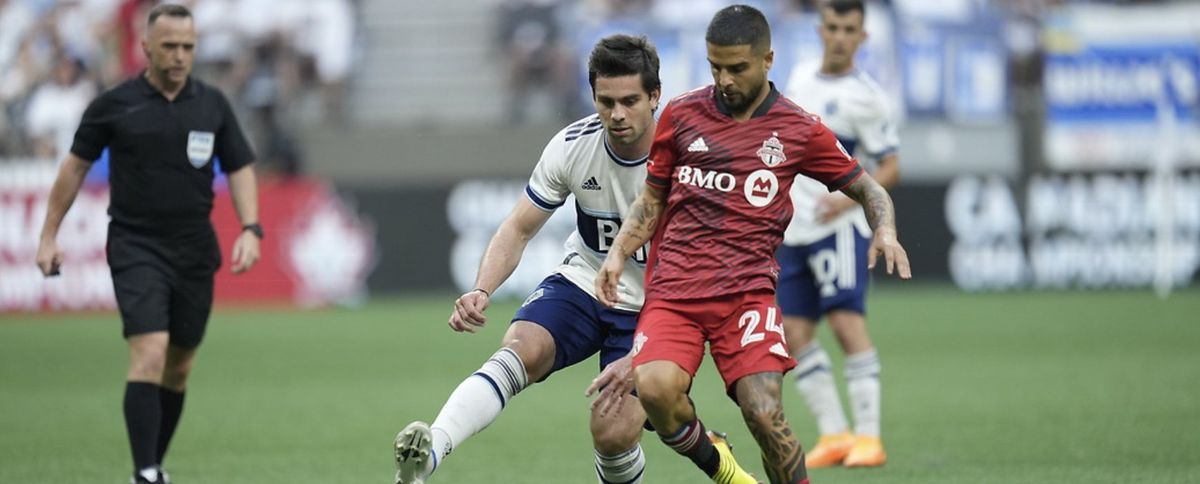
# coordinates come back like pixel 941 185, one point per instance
pixel 823 257
pixel 601 159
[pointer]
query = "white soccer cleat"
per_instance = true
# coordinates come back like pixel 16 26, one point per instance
pixel 414 453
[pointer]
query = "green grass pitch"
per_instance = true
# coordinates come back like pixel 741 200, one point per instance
pixel 1001 388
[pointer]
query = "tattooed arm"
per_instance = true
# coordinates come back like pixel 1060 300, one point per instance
pixel 636 230
pixel 831 206
pixel 881 216
pixel 875 201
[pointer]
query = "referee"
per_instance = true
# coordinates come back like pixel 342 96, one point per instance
pixel 163 130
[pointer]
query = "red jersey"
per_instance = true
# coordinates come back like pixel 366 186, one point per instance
pixel 727 188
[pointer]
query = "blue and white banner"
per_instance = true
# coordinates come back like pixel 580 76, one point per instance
pixel 1118 95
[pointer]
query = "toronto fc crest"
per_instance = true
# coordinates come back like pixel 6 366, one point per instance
pixel 772 151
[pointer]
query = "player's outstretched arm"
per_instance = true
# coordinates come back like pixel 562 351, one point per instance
pixel 881 215
pixel 499 261
pixel 637 229
pixel 66 186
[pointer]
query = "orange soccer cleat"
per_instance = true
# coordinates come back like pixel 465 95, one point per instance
pixel 830 450
pixel 867 452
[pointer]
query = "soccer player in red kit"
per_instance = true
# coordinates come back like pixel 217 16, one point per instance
pixel 716 203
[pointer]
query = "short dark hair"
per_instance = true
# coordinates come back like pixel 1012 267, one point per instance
pixel 740 25
pixel 624 55
pixel 842 7
pixel 170 10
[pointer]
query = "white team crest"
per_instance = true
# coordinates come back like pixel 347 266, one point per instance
pixel 761 187
pixel 200 147
pixel 772 151
pixel 638 342
pixel 533 297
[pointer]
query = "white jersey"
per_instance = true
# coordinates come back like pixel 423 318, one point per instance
pixel 856 110
pixel 579 161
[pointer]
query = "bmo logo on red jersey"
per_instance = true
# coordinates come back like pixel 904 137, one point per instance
pixel 706 179
pixel 761 188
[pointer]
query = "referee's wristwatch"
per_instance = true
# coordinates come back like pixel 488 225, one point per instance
pixel 255 229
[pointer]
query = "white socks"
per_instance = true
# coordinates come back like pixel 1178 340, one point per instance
pixel 623 468
pixel 862 383
pixel 477 401
pixel 814 380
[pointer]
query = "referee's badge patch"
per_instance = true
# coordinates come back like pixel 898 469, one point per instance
pixel 200 147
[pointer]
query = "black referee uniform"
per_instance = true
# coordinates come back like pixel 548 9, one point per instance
pixel 162 248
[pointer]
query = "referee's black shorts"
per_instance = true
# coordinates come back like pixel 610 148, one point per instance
pixel 164 282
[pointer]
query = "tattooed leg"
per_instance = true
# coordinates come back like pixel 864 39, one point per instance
pixel 760 400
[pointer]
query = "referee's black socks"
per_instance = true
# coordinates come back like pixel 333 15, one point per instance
pixel 143 419
pixel 171 403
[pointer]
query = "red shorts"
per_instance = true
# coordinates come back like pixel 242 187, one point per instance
pixel 744 333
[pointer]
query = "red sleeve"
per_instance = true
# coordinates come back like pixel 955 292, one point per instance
pixel 826 161
pixel 662 152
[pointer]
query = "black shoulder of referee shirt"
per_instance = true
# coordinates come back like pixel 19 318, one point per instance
pixel 161 153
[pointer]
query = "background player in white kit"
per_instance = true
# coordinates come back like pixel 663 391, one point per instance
pixel 601 159
pixel 823 259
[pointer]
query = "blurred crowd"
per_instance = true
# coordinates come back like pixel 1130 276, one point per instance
pixel 536 36
pixel 268 56
pixel 284 62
